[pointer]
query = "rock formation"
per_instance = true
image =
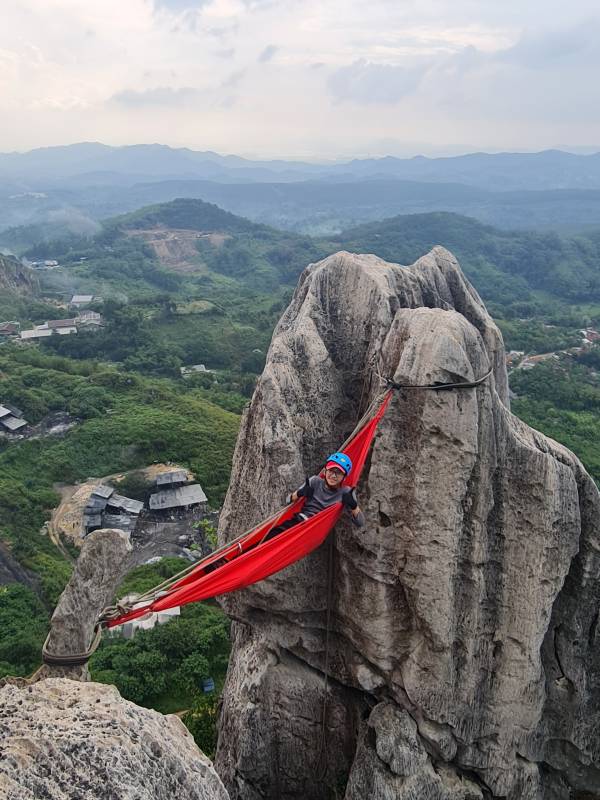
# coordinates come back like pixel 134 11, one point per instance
pixel 460 629
pixel 15 278
pixel 62 739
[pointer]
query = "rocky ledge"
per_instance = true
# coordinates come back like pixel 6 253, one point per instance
pixel 62 739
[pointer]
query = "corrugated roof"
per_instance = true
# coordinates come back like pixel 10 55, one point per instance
pixel 16 412
pixel 121 521
pixel 103 491
pixel 96 503
pixel 92 520
pixel 13 423
pixel 167 478
pixel 4 411
pixel 126 503
pixel 60 323
pixel 175 498
pixel 36 333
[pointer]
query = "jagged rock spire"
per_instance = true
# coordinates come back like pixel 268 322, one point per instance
pixel 463 637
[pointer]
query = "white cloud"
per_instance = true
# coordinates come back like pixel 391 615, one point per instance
pixel 349 76
pixel 267 54
pixel 159 96
pixel 372 84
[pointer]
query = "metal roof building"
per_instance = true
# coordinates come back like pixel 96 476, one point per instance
pixel 169 478
pixel 92 520
pixel 16 412
pixel 13 423
pixel 36 333
pixel 103 491
pixel 121 521
pixel 95 504
pixel 126 503
pixel 176 498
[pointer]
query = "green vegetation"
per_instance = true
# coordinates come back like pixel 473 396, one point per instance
pixel 123 384
pixel 177 655
pixel 563 401
pixel 163 668
pixel 534 336
pixel 23 628
pixel 507 267
pixel 126 422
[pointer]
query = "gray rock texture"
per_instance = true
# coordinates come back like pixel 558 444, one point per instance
pixel 67 740
pixel 464 642
pixel 103 562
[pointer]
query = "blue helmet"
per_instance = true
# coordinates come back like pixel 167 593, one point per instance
pixel 340 460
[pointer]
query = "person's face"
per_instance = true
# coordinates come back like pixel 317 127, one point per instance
pixel 333 477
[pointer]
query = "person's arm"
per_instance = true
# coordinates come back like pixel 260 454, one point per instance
pixel 351 503
pixel 306 490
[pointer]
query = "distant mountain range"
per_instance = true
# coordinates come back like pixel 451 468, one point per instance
pixel 92 163
pixel 56 190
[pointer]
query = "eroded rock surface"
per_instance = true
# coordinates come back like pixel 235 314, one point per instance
pixel 62 739
pixel 464 643
pixel 104 560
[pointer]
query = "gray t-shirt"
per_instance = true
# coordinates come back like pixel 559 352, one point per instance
pixel 323 497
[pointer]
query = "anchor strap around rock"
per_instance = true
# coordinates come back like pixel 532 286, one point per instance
pixel 437 387
pixel 72 659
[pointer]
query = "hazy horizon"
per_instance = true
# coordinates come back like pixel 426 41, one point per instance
pixel 424 151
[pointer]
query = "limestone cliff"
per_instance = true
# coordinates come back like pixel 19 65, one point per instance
pixel 464 642
pixel 15 278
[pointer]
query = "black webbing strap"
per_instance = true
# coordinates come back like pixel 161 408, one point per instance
pixel 438 387
pixel 74 659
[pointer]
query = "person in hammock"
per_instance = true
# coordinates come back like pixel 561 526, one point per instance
pixel 322 491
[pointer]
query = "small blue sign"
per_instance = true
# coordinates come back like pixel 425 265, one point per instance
pixel 208 685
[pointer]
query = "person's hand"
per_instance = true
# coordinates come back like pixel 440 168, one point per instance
pixel 350 501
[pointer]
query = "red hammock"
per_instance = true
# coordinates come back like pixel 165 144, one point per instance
pixel 248 561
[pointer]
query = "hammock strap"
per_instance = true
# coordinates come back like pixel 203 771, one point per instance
pixel 74 659
pixel 437 387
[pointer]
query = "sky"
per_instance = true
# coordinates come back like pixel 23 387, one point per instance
pixel 310 79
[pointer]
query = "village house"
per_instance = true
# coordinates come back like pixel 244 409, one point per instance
pixel 193 368
pixel 531 361
pixel 89 320
pixel 106 508
pixel 9 329
pixel 47 264
pixel 60 326
pixel 513 357
pixel 175 493
pixel 145 623
pixel 82 300
pixel 11 418
pixel 589 336
pixel 36 333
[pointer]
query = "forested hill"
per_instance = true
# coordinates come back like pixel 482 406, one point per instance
pixel 505 266
pixel 186 213
pixel 171 245
pixel 168 245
